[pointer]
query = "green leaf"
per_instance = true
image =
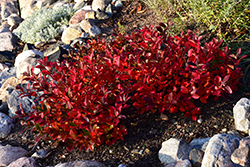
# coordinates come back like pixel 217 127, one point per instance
pixel 38 127
pixel 72 124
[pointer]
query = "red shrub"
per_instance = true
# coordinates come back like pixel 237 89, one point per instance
pixel 82 98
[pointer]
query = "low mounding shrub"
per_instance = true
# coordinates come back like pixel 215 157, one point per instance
pixel 44 24
pixel 80 101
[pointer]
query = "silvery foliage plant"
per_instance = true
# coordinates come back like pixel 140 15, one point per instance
pixel 44 24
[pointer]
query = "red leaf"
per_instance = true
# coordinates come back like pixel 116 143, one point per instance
pixel 229 90
pixel 192 43
pixel 45 72
pixel 143 44
pixel 225 79
pixel 184 90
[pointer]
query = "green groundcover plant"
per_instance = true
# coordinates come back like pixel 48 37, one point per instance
pixel 81 100
pixel 228 19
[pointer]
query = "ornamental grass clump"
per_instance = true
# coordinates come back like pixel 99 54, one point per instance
pixel 84 96
pixel 44 24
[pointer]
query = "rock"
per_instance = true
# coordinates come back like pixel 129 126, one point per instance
pixel 26 66
pixel 5 125
pixel 236 133
pixel 4 108
pixel 9 83
pixel 90 15
pixel 44 3
pixel 8 41
pixel 84 163
pixel 241 156
pixel 219 150
pixel 24 55
pixel 101 15
pixel 5 28
pixel 122 165
pixel 94 31
pixel 71 33
pixel 7 56
pixel 39 44
pixel 242 115
pixel 200 143
pixel 196 156
pixel 80 4
pixel 3 67
pixel 109 10
pixel 78 17
pixel 183 163
pixel 28 46
pixel 14 103
pixel 10 154
pixel 14 19
pixel 27 7
pixel 89 27
pixel 171 164
pixel 23 162
pixel 40 154
pixel 55 52
pixel 7 7
pixel 99 4
pixel 5 74
pixel 174 150
pixel 118 4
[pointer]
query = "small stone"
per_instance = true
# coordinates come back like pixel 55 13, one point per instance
pixel 174 150
pixel 164 117
pixel 199 121
pixel 7 56
pixel 196 156
pixel 29 53
pixel 71 33
pixel 39 44
pixel 134 151
pixel 118 4
pixel 99 4
pixel 78 17
pixel 109 10
pixel 94 31
pixel 147 151
pixel 8 41
pixel 40 154
pixel 14 19
pixel 224 130
pixel 26 66
pixel 90 15
pixel 5 125
pixel 122 165
pixel 80 4
pixel 241 156
pixel 101 15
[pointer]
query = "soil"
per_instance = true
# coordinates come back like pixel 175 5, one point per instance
pixel 146 132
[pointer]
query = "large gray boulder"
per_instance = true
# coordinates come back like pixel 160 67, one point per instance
pixel 219 150
pixel 14 103
pixel 84 163
pixel 174 150
pixel 10 154
pixel 241 113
